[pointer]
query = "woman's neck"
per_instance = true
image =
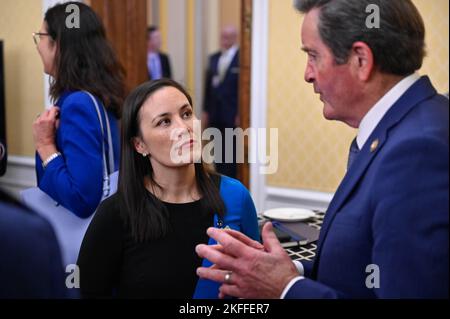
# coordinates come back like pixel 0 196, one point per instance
pixel 178 185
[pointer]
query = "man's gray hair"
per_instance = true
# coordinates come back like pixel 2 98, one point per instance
pixel 398 45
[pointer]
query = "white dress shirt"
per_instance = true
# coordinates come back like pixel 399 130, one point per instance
pixel 366 127
pixel 224 63
pixel 154 66
pixel 377 112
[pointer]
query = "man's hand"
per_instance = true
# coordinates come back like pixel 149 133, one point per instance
pixel 244 268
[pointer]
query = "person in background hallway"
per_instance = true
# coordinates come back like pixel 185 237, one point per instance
pixel 220 104
pixel 141 241
pixel 158 63
pixel 31 264
pixel 68 137
pixel 386 230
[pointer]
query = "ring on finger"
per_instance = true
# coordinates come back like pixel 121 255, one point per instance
pixel 227 278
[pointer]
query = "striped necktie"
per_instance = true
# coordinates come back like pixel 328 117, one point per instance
pixel 353 152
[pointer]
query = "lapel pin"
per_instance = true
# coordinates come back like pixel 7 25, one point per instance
pixel 374 145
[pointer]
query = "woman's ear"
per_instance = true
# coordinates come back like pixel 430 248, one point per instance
pixel 139 145
pixel 362 60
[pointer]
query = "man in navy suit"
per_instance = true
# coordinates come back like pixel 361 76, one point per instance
pixel 220 105
pixel 158 63
pixel 386 231
pixel 31 265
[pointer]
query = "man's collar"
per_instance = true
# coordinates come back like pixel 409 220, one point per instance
pixel 231 50
pixel 377 112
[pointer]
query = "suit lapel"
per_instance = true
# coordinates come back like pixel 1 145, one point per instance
pixel 234 63
pixel 418 92
pixel 215 64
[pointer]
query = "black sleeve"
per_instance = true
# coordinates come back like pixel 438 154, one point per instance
pixel 100 255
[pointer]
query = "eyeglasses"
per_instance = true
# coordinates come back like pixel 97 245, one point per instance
pixel 37 36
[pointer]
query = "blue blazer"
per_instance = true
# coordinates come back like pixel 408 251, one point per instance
pixel 391 210
pixel 75 178
pixel 221 102
pixel 31 265
pixel 240 215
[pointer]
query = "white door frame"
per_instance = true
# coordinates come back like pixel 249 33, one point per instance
pixel 258 105
pixel 266 197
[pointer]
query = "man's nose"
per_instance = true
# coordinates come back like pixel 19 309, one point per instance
pixel 309 75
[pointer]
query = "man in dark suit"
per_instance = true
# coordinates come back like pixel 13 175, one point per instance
pixel 220 105
pixel 31 264
pixel 386 231
pixel 158 63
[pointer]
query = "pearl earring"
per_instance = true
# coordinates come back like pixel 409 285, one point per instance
pixel 144 154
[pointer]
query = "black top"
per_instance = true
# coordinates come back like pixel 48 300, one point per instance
pixel 112 264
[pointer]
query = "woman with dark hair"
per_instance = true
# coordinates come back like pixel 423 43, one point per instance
pixel 141 241
pixel 68 137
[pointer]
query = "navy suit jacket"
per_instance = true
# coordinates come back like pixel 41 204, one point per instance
pixel 221 102
pixel 391 210
pixel 31 265
pixel 165 66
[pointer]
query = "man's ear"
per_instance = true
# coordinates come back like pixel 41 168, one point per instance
pixel 362 60
pixel 139 145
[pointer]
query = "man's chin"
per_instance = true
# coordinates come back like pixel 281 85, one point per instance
pixel 327 112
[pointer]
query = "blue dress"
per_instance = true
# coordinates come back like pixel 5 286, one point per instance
pixel 241 216
pixel 74 179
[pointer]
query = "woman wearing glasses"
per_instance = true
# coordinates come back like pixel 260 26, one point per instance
pixel 68 137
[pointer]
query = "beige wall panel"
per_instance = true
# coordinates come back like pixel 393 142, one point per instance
pixel 23 71
pixel 230 13
pixel 312 150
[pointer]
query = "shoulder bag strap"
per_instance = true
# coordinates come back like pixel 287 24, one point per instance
pixel 106 184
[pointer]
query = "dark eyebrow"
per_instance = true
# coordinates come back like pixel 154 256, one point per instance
pixel 160 115
pixel 308 50
pixel 184 106
pixel 167 113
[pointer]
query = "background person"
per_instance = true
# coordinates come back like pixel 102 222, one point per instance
pixel 158 63
pixel 220 105
pixel 68 137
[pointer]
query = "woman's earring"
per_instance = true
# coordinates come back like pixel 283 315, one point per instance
pixel 144 154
